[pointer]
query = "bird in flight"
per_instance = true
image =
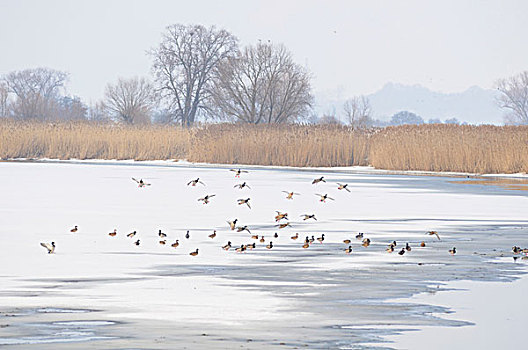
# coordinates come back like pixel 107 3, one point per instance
pixel 205 199
pixel 195 182
pixel 244 201
pixel 141 183
pixel 242 185
pixel 281 216
pixel 430 233
pixel 290 194
pixel 342 187
pixel 238 172
pixel 323 197
pixel 307 217
pixel 49 247
pixel 316 181
pixel 232 224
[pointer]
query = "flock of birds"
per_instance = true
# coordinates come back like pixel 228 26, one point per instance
pixel 281 220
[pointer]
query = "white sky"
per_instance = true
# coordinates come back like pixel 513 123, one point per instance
pixel 353 47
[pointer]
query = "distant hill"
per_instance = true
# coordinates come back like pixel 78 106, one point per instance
pixel 474 105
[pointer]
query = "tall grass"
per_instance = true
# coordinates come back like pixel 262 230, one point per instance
pixel 478 149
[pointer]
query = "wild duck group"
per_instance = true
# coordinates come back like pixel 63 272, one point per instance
pixel 281 220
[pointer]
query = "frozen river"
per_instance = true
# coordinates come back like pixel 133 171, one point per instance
pixel 98 291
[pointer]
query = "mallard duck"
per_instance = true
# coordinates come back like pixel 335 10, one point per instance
pixel 290 194
pixel 270 245
pixel 232 224
pixel 141 183
pixel 131 234
pixel 238 172
pixel 281 216
pixel 307 239
pixel 390 248
pixel 283 225
pixel 262 240
pixel 161 234
pixel 366 242
pixel 347 241
pixel 311 240
pixel 307 217
pixel 452 251
pixel 407 247
pixel 242 185
pixel 321 239
pixel 162 242
pixel 243 228
pixel 74 229
pixel 205 199
pixel 306 245
pixel 402 251
pixel 241 248
pixel 136 242
pixel 324 197
pixel 342 187
pixel 175 244
pixel 430 233
pixel 316 181
pixel 113 233
pixel 359 236
pixel 295 237
pixel 244 201
pixel 227 246
pixel 213 235
pixel 255 237
pixel 348 250
pixel 194 253
pixel 49 247
pixel 195 182
pixel 251 246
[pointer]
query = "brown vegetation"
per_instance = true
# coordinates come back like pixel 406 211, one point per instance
pixel 476 149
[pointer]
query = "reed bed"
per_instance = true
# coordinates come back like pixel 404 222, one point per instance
pixel 438 147
pixel 456 148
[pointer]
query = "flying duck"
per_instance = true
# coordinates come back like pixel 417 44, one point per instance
pixel 195 182
pixel 244 201
pixel 281 216
pixel 238 172
pixel 232 224
pixel 141 183
pixel 205 199
pixel 243 228
pixel 131 234
pixel 430 233
pixel 242 185
pixel 316 181
pixel 74 229
pixel 290 194
pixel 49 247
pixel 342 187
pixel 323 197
pixel 307 217
pixel 194 253
pixel 284 225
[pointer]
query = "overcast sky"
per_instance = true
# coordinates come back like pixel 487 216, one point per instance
pixel 353 47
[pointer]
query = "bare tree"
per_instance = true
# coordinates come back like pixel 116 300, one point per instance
pixel 184 64
pixel 358 112
pixel 3 99
pixel 36 92
pixel 130 100
pixel 514 98
pixel 262 84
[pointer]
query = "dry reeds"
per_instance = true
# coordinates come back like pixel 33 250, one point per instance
pixel 459 148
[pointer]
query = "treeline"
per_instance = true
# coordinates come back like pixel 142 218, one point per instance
pixel 428 147
pixel 200 74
